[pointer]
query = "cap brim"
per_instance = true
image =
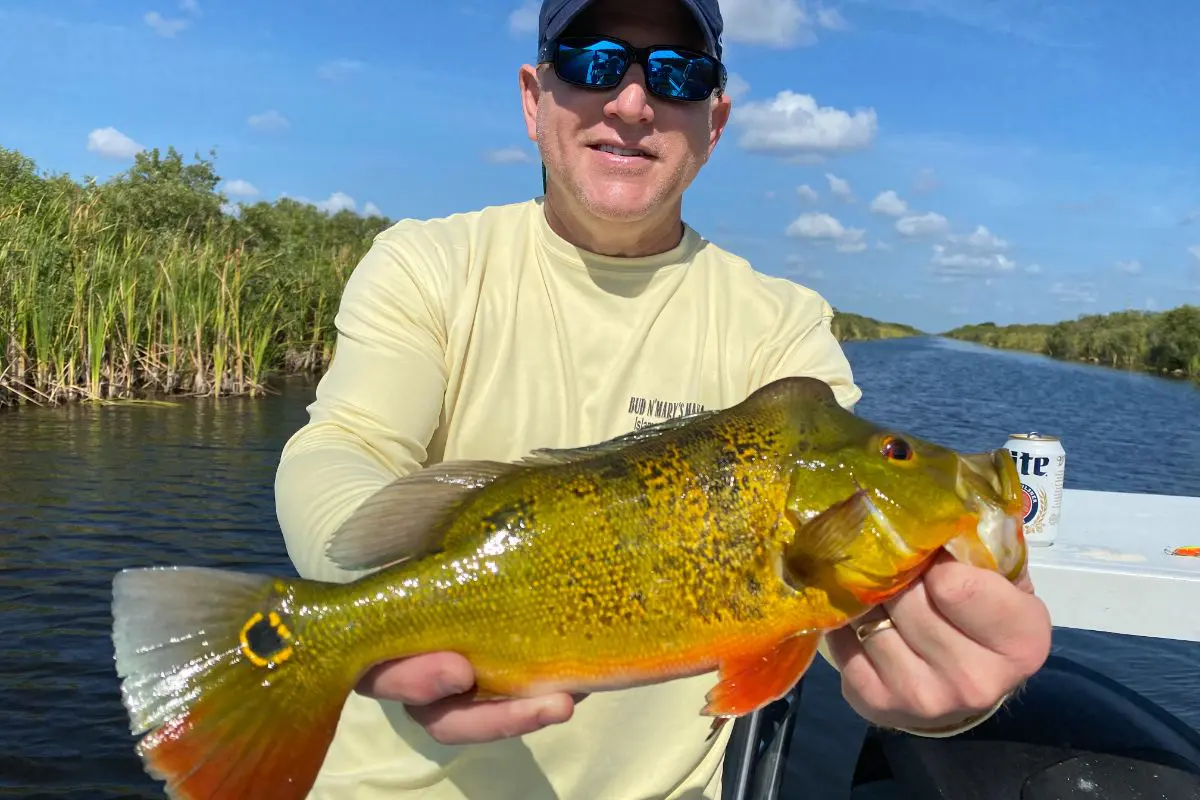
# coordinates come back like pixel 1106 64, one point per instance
pixel 570 10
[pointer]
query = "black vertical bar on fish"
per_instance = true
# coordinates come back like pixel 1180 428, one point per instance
pixel 756 756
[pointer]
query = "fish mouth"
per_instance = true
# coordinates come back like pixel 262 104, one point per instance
pixel 992 534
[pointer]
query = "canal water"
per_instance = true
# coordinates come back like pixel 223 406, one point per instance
pixel 86 491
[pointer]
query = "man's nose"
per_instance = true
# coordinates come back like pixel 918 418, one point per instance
pixel 632 103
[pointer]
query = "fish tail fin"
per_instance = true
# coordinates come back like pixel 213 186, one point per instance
pixel 217 672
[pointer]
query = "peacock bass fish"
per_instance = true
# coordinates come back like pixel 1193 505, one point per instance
pixel 726 541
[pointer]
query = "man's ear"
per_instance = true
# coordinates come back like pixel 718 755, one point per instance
pixel 530 81
pixel 722 104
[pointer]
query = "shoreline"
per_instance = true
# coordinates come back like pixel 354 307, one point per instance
pixel 1141 369
pixel 1162 344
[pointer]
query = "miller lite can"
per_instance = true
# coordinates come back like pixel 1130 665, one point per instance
pixel 1042 465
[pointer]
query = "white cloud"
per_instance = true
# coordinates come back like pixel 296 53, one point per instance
pixel 1195 251
pixel 736 86
pixel 831 19
pixel 826 227
pixel 981 238
pixel 339 68
pixel 1129 267
pixel 240 188
pixel 890 204
pixel 962 265
pixel 1033 269
pixel 111 143
pixel 925 182
pixel 1075 292
pixel 508 155
pixel 270 120
pixel 190 6
pixel 523 20
pixel 807 193
pixel 777 23
pixel 793 124
pixel 338 201
pixel 840 187
pixel 922 224
pixel 164 26
pixel 816 226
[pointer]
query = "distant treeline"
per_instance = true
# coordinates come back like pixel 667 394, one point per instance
pixel 848 327
pixel 1164 342
pixel 145 283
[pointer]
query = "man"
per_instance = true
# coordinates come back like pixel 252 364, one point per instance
pixel 567 320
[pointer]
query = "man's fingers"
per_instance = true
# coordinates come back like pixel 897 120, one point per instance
pixel 859 675
pixel 1004 618
pixel 419 680
pixel 462 720
pixel 930 634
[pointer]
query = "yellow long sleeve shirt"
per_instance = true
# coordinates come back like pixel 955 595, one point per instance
pixel 484 335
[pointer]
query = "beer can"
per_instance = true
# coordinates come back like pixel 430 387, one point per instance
pixel 1042 465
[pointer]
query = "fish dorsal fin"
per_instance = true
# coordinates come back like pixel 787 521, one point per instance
pixel 824 540
pixel 408 517
pixel 566 455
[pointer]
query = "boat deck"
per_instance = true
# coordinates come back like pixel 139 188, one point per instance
pixel 1110 569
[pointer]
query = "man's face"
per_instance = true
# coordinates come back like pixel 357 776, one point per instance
pixel 574 125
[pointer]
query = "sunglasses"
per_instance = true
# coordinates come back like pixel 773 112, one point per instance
pixel 600 62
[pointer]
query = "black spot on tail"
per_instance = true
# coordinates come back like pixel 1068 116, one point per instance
pixel 264 639
pixel 267 639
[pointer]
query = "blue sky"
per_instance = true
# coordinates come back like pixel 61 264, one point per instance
pixel 965 160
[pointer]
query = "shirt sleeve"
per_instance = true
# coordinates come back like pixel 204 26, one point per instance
pixel 376 407
pixel 804 344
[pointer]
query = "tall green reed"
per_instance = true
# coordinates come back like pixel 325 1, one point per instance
pixel 91 309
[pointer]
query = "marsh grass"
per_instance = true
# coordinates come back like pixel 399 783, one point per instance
pixel 95 309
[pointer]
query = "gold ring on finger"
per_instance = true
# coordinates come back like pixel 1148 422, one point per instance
pixel 868 629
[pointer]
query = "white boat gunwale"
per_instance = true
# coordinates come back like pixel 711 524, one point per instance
pixel 1110 569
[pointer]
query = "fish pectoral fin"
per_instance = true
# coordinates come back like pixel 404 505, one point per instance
pixel 567 455
pixel 749 682
pixel 825 539
pixel 408 517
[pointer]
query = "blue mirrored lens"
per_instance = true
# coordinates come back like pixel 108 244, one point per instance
pixel 598 64
pixel 678 75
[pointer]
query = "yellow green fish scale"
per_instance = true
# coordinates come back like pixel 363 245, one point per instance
pixel 562 554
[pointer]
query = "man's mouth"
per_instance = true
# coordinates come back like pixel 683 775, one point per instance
pixel 628 152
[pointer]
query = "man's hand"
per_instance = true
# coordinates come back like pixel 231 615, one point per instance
pixel 963 638
pixel 436 688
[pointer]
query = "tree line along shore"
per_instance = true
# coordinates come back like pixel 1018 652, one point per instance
pixel 145 285
pixel 1159 342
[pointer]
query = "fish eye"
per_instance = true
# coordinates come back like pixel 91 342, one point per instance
pixel 896 449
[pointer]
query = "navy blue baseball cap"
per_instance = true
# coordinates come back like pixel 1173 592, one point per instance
pixel 557 15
